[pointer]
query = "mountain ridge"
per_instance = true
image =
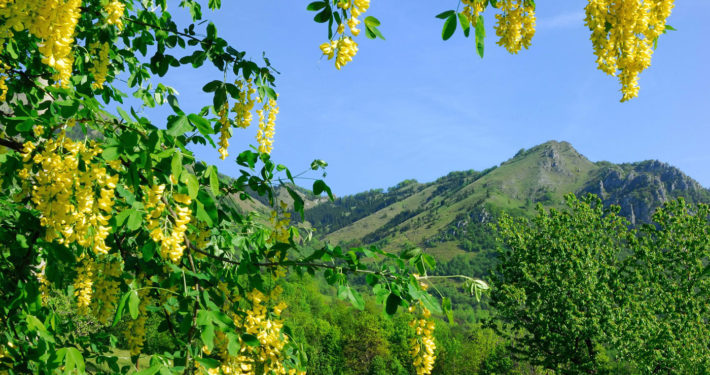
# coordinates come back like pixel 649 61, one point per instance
pixel 448 216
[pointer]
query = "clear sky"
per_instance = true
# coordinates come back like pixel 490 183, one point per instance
pixel 414 106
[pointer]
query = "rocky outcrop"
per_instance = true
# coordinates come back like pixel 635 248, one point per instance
pixel 640 188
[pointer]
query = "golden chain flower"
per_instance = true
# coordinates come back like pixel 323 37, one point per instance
pixel 43 284
pixel 54 25
pixel 267 358
pixel 83 283
pixel 64 193
pixel 623 33
pixel 100 63
pixel 3 84
pixel 345 48
pixel 422 347
pixel 225 131
pixel 115 10
pixel 280 232
pixel 107 289
pixel 173 245
pixel 471 10
pixel 265 135
pixel 243 107
pixel 135 329
pixel 516 25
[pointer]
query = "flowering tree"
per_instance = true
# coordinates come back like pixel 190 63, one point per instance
pixel 116 212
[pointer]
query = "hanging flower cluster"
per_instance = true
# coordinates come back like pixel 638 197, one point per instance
pixel 225 131
pixel 243 107
pixel 280 232
pixel 623 34
pixel 264 324
pixel 267 121
pixel 472 9
pixel 83 283
pixel 172 245
pixel 422 346
pixel 100 63
pixel 200 237
pixel 106 289
pixel 242 114
pixel 64 177
pixel 51 21
pixel 114 9
pixel 3 84
pixel 345 48
pixel 134 332
pixel 515 26
pixel 43 284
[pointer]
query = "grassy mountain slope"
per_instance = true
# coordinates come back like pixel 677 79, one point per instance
pixel 450 216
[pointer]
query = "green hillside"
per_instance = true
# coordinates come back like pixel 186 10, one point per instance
pixel 451 216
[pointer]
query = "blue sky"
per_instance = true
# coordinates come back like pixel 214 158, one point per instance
pixel 414 106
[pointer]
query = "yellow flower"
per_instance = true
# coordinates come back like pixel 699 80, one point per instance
pixel 115 10
pixel 265 135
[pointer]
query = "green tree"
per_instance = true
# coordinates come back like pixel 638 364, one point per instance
pixel 669 330
pixel 584 293
pixel 557 282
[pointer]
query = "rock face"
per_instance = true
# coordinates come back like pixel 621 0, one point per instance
pixel 639 188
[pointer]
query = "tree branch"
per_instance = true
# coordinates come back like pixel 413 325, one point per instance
pixel 11 144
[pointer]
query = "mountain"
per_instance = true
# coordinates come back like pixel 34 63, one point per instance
pixel 450 216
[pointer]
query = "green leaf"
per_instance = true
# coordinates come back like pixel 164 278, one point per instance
pixel 323 16
pixel 429 261
pixel 152 370
pixel 356 299
pixel 393 302
pixel 220 97
pixel 446 306
pixel 121 217
pixel 233 347
pixel 73 360
pixel 133 302
pixel 270 93
pixel 212 86
pixel 318 163
pixel 214 179
pixel 465 25
pixel 480 35
pixel 176 165
pixel 669 27
pixel 119 309
pixel 207 335
pixel 316 5
pixel 410 253
pixel 449 27
pixel 372 21
pixel 320 186
pixel 135 218
pixel 193 186
pixel 178 125
pixel 202 214
pixel 214 4
pixel 124 115
pixel 250 340
pixel 110 153
pixel 445 15
pixel 173 102
pixel 431 303
pixel 297 201
pixel 148 250
pixel 203 125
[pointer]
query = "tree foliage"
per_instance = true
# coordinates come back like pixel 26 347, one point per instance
pixel 578 284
